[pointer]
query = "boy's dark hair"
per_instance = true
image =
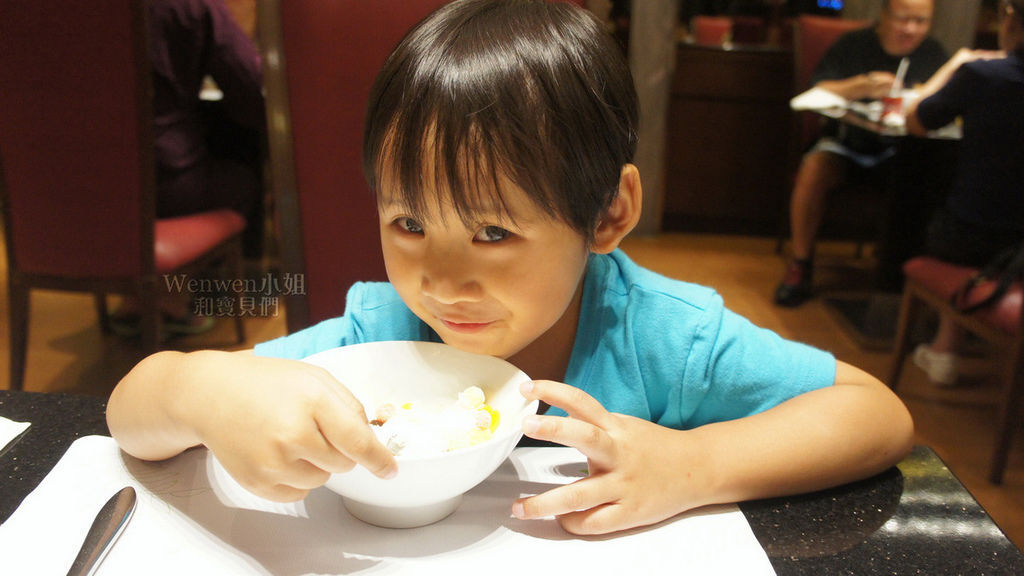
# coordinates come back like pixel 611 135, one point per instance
pixel 533 91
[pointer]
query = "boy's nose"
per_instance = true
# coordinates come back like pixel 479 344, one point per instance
pixel 447 280
pixel 446 289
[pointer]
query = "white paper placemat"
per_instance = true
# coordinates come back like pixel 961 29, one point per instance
pixel 9 430
pixel 192 519
pixel 820 100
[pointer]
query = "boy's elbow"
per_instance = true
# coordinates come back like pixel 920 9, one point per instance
pixel 898 425
pixel 885 418
pixel 903 431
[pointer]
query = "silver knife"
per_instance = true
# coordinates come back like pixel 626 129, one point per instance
pixel 108 525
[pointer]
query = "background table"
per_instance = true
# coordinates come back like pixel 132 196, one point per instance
pixel 915 518
pixel 915 181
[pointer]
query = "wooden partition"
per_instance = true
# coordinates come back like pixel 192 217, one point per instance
pixel 728 134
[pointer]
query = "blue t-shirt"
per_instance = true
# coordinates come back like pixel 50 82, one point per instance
pixel 646 345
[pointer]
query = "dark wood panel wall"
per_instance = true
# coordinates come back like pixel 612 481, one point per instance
pixel 728 140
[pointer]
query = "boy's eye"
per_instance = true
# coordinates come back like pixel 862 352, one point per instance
pixel 409 225
pixel 492 234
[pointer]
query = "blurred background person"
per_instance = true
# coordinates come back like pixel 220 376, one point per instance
pixel 984 212
pixel 861 65
pixel 209 153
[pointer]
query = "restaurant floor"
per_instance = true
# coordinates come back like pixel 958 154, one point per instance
pixel 68 354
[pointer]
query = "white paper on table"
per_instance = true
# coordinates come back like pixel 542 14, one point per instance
pixel 190 521
pixel 9 430
pixel 820 100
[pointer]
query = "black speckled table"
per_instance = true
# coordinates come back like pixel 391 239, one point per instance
pixel 916 518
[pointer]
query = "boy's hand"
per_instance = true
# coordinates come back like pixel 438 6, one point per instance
pixel 281 427
pixel 629 483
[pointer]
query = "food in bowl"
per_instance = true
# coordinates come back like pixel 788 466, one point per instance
pixel 428 428
pixel 427 487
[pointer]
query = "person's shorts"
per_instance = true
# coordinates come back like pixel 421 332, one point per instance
pixel 861 159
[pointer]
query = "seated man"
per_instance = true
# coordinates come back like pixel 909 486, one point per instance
pixel 860 65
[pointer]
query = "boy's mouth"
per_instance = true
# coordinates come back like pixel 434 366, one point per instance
pixel 465 327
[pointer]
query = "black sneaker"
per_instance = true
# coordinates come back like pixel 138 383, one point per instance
pixel 795 288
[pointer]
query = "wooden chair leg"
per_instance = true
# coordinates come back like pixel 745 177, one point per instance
pixel 908 308
pixel 1013 383
pixel 19 312
pixel 102 312
pixel 149 316
pixel 238 269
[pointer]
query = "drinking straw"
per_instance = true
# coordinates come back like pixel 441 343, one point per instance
pixel 901 72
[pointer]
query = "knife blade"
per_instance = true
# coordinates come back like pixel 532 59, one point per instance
pixel 109 523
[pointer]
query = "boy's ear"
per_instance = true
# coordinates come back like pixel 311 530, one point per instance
pixel 622 215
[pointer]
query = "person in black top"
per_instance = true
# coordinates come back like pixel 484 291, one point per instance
pixel 984 212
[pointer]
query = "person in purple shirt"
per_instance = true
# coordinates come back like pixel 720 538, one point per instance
pixel 208 154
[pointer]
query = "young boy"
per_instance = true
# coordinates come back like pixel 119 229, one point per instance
pixel 499 140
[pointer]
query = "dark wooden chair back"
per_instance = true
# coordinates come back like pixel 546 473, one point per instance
pixel 812 37
pixel 76 134
pixel 77 175
pixel 711 30
pixel 320 60
pixel 931 282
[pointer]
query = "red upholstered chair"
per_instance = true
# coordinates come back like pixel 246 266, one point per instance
pixel 711 30
pixel 812 37
pixel 320 59
pixel 76 166
pixel 749 30
pixel 932 282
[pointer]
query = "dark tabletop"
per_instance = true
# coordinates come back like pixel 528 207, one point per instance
pixel 916 518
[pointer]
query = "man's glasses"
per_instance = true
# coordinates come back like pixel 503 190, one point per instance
pixel 903 20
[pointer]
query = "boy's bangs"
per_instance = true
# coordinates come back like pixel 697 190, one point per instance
pixel 448 158
pixel 482 94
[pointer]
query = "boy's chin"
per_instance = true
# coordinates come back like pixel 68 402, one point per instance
pixel 477 346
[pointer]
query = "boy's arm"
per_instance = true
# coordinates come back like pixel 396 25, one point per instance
pixel 279 427
pixel 641 473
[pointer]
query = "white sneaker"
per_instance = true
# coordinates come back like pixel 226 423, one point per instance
pixel 941 367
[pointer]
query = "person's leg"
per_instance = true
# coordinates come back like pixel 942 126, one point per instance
pixel 939 359
pixel 956 241
pixel 947 337
pixel 819 172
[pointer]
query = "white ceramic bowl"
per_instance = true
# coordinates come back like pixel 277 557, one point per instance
pixel 426 488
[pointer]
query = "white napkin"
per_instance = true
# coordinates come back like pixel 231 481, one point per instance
pixel 820 100
pixel 9 430
pixel 189 521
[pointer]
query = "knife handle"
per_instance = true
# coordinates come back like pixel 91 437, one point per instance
pixel 108 525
